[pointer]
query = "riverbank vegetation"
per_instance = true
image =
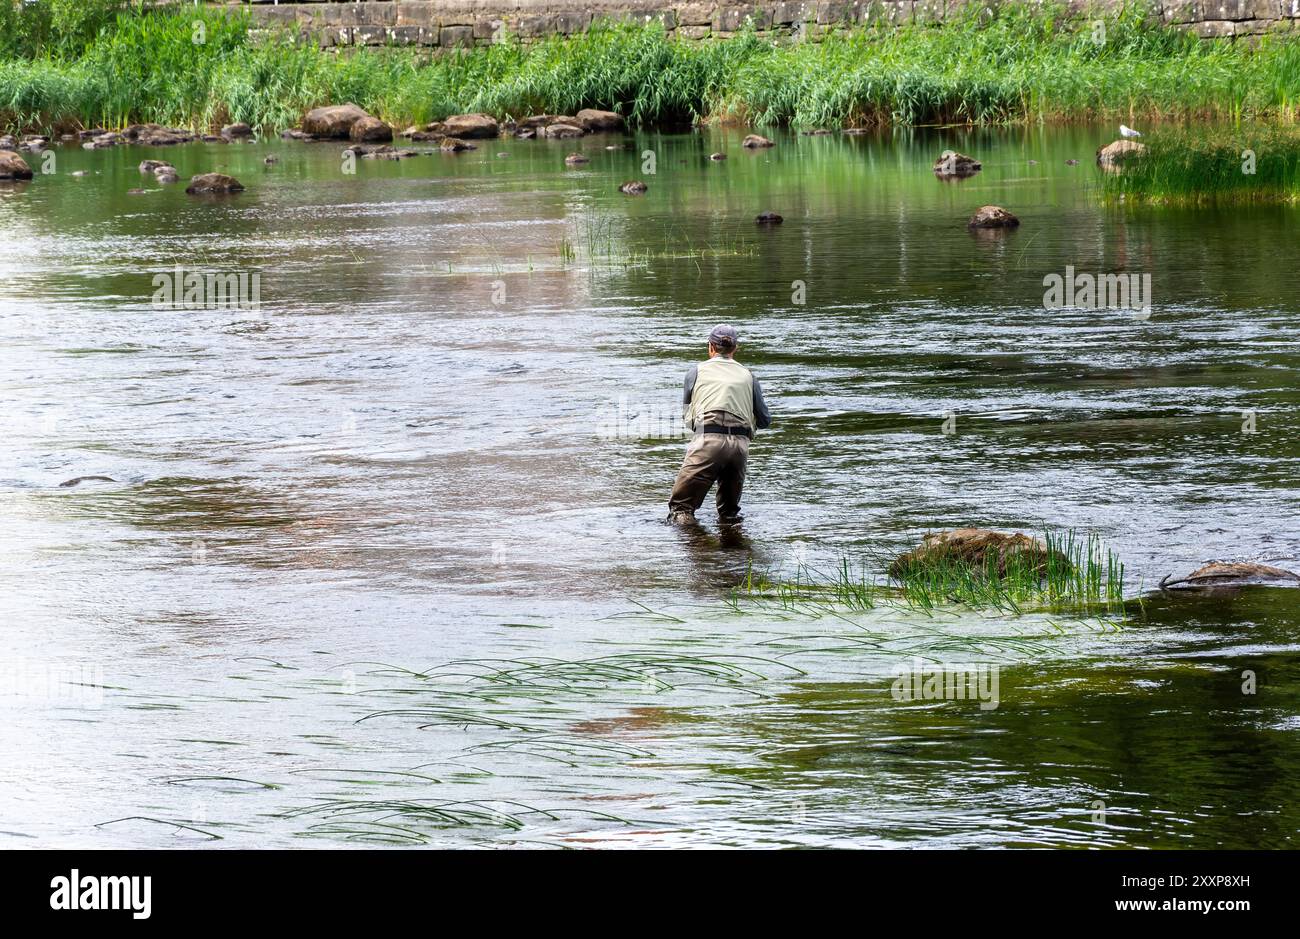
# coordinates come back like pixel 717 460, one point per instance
pixel 1250 163
pixel 99 62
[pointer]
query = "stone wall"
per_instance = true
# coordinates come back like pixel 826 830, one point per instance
pixel 454 23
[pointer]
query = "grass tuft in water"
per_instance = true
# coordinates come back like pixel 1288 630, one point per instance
pixel 1076 573
pixel 1251 163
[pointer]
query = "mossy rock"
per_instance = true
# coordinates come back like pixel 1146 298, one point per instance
pixel 980 549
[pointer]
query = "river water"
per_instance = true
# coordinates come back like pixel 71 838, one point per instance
pixel 382 560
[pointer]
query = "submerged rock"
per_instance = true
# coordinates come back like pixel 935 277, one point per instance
pixel 454 145
pixel 152 166
pixel 992 216
pixel 1226 574
pixel 756 141
pixel 332 121
pixel 633 187
pixel 370 130
pixel 1113 154
pixel 12 166
pixel 69 483
pixel 952 163
pixel 575 159
pixel 979 548
pixel 213 183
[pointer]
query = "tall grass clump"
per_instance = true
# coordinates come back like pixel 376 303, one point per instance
pixel 1244 164
pixel 113 61
pixel 1072 572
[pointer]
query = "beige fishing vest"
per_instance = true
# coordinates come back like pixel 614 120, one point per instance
pixel 722 384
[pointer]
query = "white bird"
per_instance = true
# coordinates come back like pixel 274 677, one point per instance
pixel 1128 131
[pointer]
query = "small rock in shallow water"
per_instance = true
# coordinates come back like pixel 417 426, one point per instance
pixel 1224 574
pixel 952 163
pixel 12 166
pixel 992 216
pixel 214 183
pixel 1113 154
pixel 633 187
pixel 575 159
pixel 768 218
pixel 756 141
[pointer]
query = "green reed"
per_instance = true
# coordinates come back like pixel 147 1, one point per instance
pixel 1012 63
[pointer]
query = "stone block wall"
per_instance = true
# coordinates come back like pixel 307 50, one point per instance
pixel 459 23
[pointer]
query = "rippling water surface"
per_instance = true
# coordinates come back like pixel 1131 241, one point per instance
pixel 383 560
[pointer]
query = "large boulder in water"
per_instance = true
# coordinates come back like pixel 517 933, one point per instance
pixel 12 166
pixel 1113 154
pixel 469 126
pixel 218 183
pixel 979 549
pixel 595 121
pixel 1232 574
pixel 561 130
pixel 370 130
pixel 952 163
pixel 334 121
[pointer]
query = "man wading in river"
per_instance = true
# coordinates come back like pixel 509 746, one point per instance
pixel 724 406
